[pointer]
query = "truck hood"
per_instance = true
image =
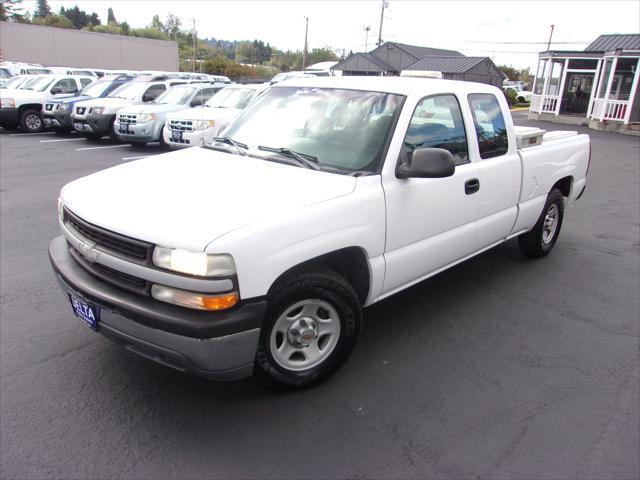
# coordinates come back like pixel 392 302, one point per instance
pixel 70 100
pixel 25 96
pixel 151 108
pixel 187 199
pixel 111 104
pixel 206 113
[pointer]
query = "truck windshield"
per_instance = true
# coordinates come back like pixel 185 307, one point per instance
pixel 39 84
pixel 129 91
pixel 95 89
pixel 343 129
pixel 232 98
pixel 175 96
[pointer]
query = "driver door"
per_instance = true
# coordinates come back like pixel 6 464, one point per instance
pixel 431 222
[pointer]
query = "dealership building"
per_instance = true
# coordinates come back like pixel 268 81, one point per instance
pixel 54 47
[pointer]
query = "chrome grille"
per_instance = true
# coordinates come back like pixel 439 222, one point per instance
pixel 181 125
pixel 128 118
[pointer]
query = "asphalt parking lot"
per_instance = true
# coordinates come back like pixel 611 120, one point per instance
pixel 502 367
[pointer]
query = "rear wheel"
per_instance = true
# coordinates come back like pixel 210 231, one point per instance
pixel 312 325
pixel 31 121
pixel 539 241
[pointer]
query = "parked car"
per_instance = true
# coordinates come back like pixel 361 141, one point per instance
pixel 15 81
pixel 95 118
pixel 72 71
pixel 20 68
pixel 143 123
pixel 326 195
pixel 23 106
pixel 57 112
pixel 279 77
pixel 199 126
pixel 522 95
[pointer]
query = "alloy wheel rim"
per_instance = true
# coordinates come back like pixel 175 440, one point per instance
pixel 305 334
pixel 550 224
pixel 33 122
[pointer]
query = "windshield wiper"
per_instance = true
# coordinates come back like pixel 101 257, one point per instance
pixel 240 147
pixel 308 161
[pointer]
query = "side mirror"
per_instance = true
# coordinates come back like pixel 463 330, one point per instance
pixel 427 163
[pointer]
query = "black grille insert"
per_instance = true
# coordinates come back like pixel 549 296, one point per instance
pixel 111 242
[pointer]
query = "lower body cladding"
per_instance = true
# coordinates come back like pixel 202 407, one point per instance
pixel 186 138
pixel 137 132
pixel 216 345
pixel 9 116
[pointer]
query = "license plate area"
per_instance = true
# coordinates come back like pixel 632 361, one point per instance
pixel 124 128
pixel 85 311
pixel 176 135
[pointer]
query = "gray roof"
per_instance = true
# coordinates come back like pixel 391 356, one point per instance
pixel 420 52
pixel 383 66
pixel 446 64
pixel 610 43
pixel 372 58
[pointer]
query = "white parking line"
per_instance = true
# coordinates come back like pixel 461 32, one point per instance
pixel 63 140
pixel 25 134
pixel 97 148
pixel 136 158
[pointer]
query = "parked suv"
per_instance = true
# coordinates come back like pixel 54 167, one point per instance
pixel 57 112
pixel 142 123
pixel 22 107
pixel 95 118
pixel 199 126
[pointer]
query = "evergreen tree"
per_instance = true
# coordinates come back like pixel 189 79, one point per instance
pixel 111 18
pixel 42 9
pixel 11 10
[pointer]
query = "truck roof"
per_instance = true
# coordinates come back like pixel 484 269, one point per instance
pixel 399 85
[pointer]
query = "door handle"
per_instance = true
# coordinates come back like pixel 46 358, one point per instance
pixel 471 186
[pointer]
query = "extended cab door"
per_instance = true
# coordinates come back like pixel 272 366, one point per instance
pixel 499 168
pixel 431 222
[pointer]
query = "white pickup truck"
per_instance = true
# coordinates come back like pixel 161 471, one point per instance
pixel 257 253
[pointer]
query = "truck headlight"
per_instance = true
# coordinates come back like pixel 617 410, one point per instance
pixel 199 301
pixel 7 103
pixel 203 124
pixel 97 110
pixel 147 117
pixel 194 263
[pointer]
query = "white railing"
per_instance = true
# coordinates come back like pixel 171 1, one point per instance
pixel 609 109
pixel 544 103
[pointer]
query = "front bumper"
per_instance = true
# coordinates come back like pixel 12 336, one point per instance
pixel 188 139
pixel 93 124
pixel 58 119
pixel 218 345
pixel 9 116
pixel 138 132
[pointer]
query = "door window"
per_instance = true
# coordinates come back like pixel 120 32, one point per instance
pixel 153 92
pixel 85 82
pixel 437 123
pixel 66 85
pixel 490 126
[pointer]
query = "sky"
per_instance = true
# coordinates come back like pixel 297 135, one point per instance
pixel 510 32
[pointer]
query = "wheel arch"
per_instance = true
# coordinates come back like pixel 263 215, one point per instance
pixel 564 185
pixel 29 106
pixel 350 262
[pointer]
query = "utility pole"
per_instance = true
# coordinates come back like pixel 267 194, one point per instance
pixel 384 5
pixel 194 45
pixel 550 35
pixel 366 38
pixel 304 54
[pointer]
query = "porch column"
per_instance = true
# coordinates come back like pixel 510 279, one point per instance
pixel 612 73
pixel 632 94
pixel 561 89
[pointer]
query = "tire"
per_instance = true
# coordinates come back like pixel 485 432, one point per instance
pixel 137 144
pixel 62 130
pixel 319 304
pixel 31 121
pixel 113 136
pixel 539 241
pixel 163 144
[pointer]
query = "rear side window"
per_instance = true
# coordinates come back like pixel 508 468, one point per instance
pixel 85 82
pixel 437 123
pixel 65 85
pixel 490 126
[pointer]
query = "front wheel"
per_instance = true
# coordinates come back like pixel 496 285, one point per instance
pixel 31 121
pixel 312 325
pixel 539 241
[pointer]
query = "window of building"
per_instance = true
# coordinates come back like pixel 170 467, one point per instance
pixel 491 129
pixel 604 82
pixel 540 76
pixel 555 78
pixel 437 123
pixel 583 64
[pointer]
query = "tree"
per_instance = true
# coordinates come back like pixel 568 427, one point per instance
pixel 11 10
pixel 42 9
pixel 318 55
pixel 59 21
pixel 111 18
pixel 79 18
